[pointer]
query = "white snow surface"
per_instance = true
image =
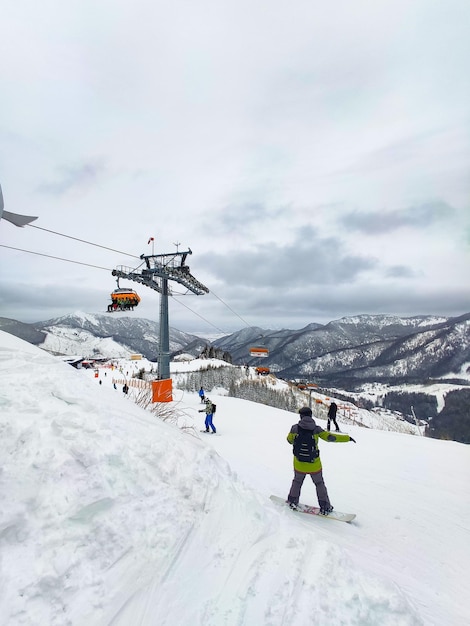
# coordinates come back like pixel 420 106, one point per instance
pixel 109 515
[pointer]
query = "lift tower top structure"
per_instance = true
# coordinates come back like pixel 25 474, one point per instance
pixel 158 270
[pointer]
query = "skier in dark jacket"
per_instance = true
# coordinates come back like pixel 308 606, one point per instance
pixel 313 468
pixel 332 416
pixel 202 394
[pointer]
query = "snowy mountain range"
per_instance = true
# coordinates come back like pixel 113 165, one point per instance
pixel 93 336
pixel 343 353
pixel 366 348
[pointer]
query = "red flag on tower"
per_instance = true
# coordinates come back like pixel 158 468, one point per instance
pixel 151 239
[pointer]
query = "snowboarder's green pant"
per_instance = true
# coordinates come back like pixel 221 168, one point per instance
pixel 317 477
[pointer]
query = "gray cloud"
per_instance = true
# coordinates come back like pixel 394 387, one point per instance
pixel 230 217
pixel 399 271
pixel 73 178
pixel 379 222
pixel 242 215
pixel 18 301
pixel 297 307
pixel 309 260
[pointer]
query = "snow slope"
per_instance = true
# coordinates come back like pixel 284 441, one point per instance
pixel 111 516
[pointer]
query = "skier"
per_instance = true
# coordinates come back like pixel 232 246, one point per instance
pixel 202 394
pixel 304 438
pixel 332 416
pixel 209 412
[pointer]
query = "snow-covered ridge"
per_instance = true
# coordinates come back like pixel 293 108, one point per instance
pixel 382 321
pixel 63 341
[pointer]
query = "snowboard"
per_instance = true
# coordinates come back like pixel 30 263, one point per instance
pixel 209 433
pixel 315 510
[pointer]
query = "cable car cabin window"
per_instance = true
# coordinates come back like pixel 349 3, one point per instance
pixel 259 351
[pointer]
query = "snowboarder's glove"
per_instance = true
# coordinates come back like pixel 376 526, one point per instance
pixel 351 439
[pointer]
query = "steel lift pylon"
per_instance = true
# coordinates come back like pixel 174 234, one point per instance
pixel 158 270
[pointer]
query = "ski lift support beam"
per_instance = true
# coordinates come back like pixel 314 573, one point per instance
pixel 163 267
pixel 166 267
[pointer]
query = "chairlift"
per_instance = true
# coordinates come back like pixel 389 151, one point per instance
pixel 259 352
pixel 123 299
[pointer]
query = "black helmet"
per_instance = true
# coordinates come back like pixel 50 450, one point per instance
pixel 305 411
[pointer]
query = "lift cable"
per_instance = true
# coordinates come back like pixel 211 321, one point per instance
pixel 82 241
pixel 230 309
pixel 202 317
pixel 58 258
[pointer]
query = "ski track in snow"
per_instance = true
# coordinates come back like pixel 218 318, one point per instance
pixel 109 516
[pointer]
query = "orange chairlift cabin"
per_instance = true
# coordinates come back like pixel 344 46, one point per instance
pixel 259 351
pixel 123 299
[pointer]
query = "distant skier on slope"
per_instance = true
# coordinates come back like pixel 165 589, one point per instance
pixel 202 394
pixel 209 411
pixel 332 416
pixel 304 438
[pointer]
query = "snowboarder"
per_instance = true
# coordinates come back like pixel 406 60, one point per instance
pixel 332 416
pixel 202 394
pixel 304 438
pixel 209 410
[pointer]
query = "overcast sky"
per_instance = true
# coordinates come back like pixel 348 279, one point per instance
pixel 314 156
